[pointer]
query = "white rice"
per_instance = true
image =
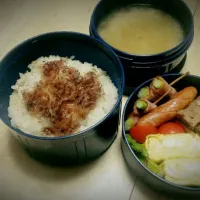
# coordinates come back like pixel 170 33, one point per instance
pixel 20 117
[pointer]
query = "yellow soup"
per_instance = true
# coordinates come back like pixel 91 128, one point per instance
pixel 141 30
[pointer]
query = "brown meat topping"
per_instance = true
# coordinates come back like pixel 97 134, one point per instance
pixel 64 97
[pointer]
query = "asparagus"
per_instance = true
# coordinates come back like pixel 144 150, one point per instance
pixel 143 93
pixel 141 104
pixel 157 83
pixel 130 122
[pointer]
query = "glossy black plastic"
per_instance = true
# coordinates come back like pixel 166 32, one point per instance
pixel 79 147
pixel 133 162
pixel 139 68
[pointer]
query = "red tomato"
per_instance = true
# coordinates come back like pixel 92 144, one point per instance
pixel 139 133
pixel 171 127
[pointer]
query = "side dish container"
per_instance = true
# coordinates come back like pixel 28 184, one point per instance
pixel 137 167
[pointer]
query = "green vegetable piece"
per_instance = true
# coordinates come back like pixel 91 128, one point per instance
pixel 144 151
pixel 142 160
pixel 129 123
pixel 141 104
pixel 130 139
pixel 143 93
pixel 137 147
pixel 161 173
pixel 157 84
pixel 155 168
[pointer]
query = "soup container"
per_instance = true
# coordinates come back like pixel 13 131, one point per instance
pixel 139 68
pixel 79 147
pixel 136 166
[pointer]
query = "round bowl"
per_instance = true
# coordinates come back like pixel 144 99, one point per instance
pixel 85 145
pixel 139 68
pixel 134 163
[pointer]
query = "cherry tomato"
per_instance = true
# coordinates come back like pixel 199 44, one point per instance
pixel 171 127
pixel 139 133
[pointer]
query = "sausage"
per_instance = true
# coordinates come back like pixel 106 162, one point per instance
pixel 168 110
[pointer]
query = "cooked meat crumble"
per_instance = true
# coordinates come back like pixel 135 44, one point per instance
pixel 64 97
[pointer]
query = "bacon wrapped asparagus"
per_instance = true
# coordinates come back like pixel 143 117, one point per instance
pixel 143 106
pixel 147 93
pixel 157 88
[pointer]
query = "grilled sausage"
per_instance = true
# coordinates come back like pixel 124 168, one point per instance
pixel 168 110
